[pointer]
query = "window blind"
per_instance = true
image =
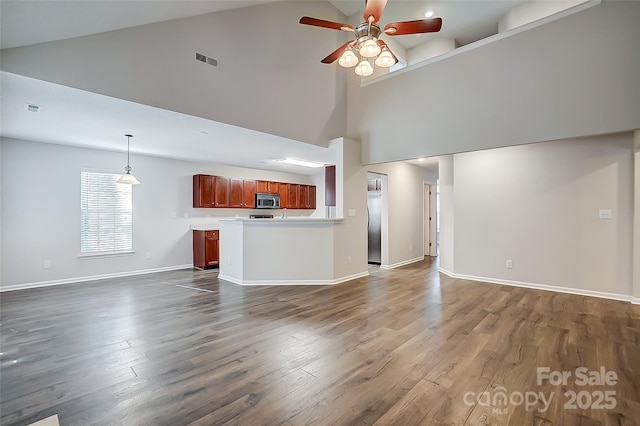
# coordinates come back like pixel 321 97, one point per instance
pixel 106 214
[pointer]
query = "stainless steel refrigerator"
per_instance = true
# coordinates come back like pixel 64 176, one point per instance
pixel 374 213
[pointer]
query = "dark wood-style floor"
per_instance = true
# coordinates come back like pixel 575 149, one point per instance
pixel 402 347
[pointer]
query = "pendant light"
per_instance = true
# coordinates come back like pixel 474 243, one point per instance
pixel 128 178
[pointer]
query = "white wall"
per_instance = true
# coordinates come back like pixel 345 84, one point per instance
pixel 538 205
pixel 41 213
pixel 575 76
pixel 447 209
pixel 530 11
pixel 350 236
pixel 269 79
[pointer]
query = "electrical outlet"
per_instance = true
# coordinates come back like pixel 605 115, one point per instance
pixel 509 264
pixel 349 259
pixel 46 264
pixel 173 215
pixel 410 247
pixel 148 256
pixel 186 215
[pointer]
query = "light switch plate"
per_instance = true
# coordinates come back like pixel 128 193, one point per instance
pixel 352 212
pixel 605 214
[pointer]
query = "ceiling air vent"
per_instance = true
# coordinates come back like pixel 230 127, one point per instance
pixel 206 59
pixel 32 107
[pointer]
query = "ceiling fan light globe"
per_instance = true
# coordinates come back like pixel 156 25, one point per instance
pixel 370 49
pixel 364 69
pixel 385 60
pixel 348 59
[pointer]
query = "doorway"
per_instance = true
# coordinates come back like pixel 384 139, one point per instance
pixel 430 214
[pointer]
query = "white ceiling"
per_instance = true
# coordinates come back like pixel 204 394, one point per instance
pixel 75 117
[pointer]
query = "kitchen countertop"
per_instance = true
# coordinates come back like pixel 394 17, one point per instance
pixel 215 224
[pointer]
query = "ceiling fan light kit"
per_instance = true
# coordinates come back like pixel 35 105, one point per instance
pixel 367 41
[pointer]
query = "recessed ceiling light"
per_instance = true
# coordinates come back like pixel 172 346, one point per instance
pixel 298 162
pixel 204 133
pixel 428 14
pixel 421 159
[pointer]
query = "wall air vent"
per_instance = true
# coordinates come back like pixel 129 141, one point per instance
pixel 32 107
pixel 206 59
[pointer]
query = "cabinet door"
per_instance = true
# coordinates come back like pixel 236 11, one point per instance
pixel 284 195
pixel 249 194
pixel 330 186
pixel 222 191
pixel 199 254
pixel 235 193
pixel 273 187
pixel 294 195
pixel 203 195
pixel 303 197
pixel 312 197
pixel 212 253
pixel 262 186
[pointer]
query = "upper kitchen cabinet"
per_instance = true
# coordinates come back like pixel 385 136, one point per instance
pixel 249 194
pixel 294 196
pixel 307 197
pixel 222 191
pixel 203 193
pixel 267 187
pixel 242 194
pixel 283 190
pixel 210 191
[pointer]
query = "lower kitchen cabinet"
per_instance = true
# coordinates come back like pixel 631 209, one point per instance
pixel 206 250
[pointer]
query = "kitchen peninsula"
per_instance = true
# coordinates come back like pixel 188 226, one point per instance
pixel 278 251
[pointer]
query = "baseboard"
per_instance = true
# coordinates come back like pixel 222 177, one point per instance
pixel 636 300
pixel 568 290
pixel 293 282
pixel 92 278
pixel 403 263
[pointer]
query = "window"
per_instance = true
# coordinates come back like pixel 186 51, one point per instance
pixel 105 215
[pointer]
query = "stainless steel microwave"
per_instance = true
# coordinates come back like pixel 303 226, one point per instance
pixel 267 201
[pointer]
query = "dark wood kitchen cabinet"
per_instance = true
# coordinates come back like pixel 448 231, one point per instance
pixel 249 194
pixel 284 195
pixel 330 186
pixel 267 187
pixel 294 196
pixel 221 190
pixel 206 251
pixel 210 191
pixel 203 194
pixel 242 193
pixel 307 197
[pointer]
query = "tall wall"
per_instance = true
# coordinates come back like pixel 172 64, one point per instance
pixel 41 210
pixel 575 76
pixel 350 236
pixel 538 206
pixel 268 78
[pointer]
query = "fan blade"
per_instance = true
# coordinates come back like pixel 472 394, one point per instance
pixel 325 24
pixel 336 53
pixel 431 25
pixel 374 8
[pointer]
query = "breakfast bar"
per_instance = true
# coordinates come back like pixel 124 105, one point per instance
pixel 278 251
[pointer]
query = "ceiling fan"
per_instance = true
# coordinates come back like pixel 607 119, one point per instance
pixel 367 42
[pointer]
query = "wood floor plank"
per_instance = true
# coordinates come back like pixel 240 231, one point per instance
pixel 401 346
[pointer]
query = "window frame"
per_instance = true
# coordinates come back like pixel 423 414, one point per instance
pixel 112 253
